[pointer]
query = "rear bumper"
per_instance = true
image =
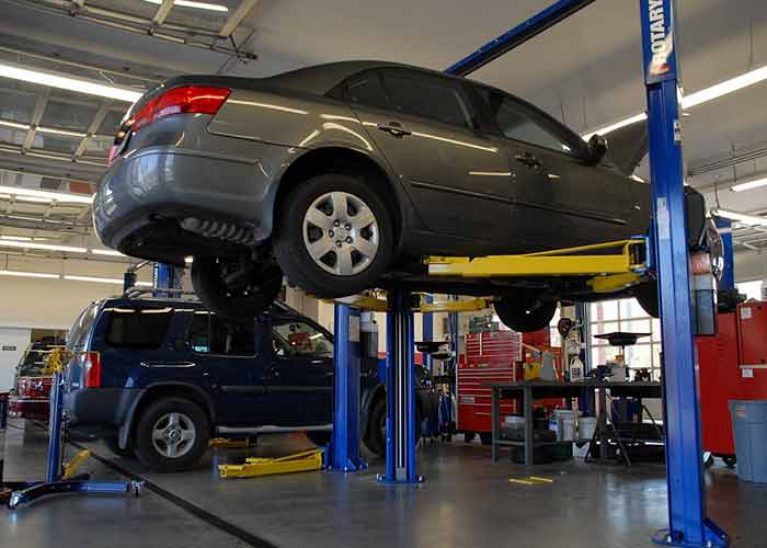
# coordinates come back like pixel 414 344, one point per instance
pixel 100 406
pixel 29 408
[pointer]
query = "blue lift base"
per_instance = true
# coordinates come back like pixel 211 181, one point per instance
pixel 42 489
pixel 351 465
pixel 386 481
pixel 714 537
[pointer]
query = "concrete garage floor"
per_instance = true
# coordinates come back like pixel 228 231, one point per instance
pixel 466 501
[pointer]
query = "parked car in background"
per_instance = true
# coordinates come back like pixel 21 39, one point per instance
pixel 30 398
pixel 156 378
pixel 343 176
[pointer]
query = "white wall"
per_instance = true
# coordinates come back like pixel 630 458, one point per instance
pixel 750 265
pixel 13 343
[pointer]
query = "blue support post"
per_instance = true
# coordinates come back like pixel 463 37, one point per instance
pixel 728 272
pixel 55 426
pixel 344 450
pixel 688 524
pixel 427 333
pixel 517 36
pixel 165 279
pixel 400 392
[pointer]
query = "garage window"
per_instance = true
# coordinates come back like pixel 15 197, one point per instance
pixel 210 334
pixel 626 315
pixel 141 329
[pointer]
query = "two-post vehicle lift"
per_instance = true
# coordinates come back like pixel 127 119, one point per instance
pixel 667 251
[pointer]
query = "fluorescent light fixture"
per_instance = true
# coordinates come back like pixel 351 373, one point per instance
pixel 14 125
pixel 17 238
pixel 188 260
pixel 33 199
pixel 694 99
pixel 50 196
pixel 93 279
pixel 748 185
pixel 743 218
pixel 64 132
pixel 28 274
pixel 107 252
pixel 78 85
pixel 42 247
pixel 196 5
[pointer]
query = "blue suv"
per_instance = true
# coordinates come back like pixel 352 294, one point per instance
pixel 158 377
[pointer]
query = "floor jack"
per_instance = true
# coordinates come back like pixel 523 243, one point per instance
pixel 59 477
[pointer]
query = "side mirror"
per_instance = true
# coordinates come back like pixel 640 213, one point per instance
pixel 597 148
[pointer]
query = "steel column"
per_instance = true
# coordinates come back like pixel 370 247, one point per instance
pixel 427 333
pixel 517 36
pixel 165 279
pixel 400 392
pixel 688 525
pixel 344 450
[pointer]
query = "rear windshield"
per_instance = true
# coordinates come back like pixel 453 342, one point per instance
pixel 78 334
pixel 33 362
pixel 142 329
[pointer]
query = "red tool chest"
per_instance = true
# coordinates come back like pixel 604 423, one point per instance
pixel 731 366
pixel 490 357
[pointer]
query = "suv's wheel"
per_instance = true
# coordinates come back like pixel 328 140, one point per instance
pixel 523 310
pixel 171 435
pixel 114 447
pixel 646 295
pixel 236 288
pixel 319 437
pixel 334 236
pixel 375 440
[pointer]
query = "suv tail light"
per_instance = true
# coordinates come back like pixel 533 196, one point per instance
pixel 181 100
pixel 91 367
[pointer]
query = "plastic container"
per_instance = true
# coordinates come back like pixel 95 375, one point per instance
pixel 587 427
pixel 749 424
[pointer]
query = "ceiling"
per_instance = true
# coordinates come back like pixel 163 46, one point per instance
pixel 585 71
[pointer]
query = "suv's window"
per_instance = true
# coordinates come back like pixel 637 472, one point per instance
pixel 515 120
pixel 427 96
pixel 138 328
pixel 210 334
pixel 78 333
pixel 297 338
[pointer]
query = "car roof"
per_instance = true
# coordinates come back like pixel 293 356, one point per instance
pixel 277 309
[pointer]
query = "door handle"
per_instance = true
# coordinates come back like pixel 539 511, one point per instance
pixel 395 129
pixel 528 159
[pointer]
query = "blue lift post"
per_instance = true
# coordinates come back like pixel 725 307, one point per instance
pixel 400 392
pixel 344 451
pixel 688 524
pixel 427 333
pixel 165 279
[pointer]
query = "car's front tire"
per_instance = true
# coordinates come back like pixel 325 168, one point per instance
pixel 236 288
pixel 523 310
pixel 171 435
pixel 646 295
pixel 334 235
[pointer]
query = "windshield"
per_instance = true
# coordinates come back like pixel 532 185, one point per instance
pixel 78 334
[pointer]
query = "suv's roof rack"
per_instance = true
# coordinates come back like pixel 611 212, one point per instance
pixel 176 294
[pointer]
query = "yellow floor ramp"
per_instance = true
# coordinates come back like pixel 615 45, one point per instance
pixel 255 467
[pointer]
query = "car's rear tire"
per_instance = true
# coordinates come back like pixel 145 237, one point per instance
pixel 334 235
pixel 646 295
pixel 523 310
pixel 171 435
pixel 233 289
pixel 320 438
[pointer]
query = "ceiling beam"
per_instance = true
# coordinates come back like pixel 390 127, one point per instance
pixel 92 128
pixel 15 159
pixel 36 223
pixel 37 116
pixel 162 12
pixel 236 17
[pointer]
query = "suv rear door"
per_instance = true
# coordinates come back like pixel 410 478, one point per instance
pixel 426 127
pixel 230 355
pixel 300 376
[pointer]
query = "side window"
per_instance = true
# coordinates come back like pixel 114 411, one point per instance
pixel 140 329
pixel 427 97
pixel 298 338
pixel 210 334
pixel 516 121
pixel 367 89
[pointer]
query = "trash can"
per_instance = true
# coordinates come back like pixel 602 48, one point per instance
pixel 749 425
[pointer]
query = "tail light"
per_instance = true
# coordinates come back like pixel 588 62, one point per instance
pixel 181 100
pixel 91 366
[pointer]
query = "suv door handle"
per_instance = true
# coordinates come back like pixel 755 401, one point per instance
pixel 395 129
pixel 528 159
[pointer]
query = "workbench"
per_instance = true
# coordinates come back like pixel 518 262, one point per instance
pixel 529 391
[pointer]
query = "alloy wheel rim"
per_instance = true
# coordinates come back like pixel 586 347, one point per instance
pixel 173 435
pixel 341 233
